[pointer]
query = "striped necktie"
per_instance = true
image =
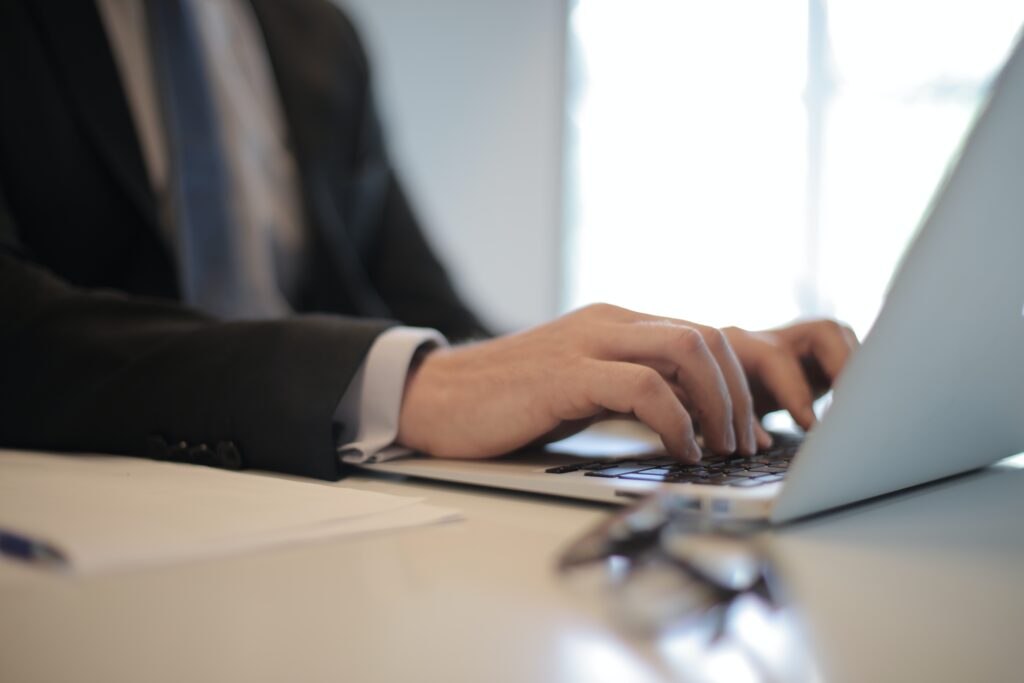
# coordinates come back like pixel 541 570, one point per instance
pixel 211 243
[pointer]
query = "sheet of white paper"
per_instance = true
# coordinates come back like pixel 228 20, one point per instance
pixel 106 512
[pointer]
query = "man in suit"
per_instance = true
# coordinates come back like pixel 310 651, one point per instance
pixel 205 256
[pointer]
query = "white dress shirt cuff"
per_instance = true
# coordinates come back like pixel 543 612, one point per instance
pixel 368 412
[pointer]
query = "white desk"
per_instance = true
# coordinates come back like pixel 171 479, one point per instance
pixel 925 587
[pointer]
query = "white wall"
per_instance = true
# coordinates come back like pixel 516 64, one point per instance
pixel 471 93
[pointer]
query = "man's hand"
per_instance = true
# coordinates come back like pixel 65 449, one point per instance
pixel 493 397
pixel 791 366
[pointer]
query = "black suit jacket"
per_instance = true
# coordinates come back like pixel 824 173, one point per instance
pixel 96 352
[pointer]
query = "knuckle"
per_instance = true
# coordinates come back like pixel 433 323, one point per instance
pixel 688 339
pixel 716 340
pixel 601 309
pixel 830 326
pixel 734 335
pixel 647 383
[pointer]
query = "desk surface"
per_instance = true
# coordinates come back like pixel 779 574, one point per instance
pixel 923 586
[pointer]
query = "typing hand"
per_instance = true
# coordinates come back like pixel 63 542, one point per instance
pixel 493 397
pixel 790 366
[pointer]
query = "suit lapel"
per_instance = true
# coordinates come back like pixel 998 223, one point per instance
pixel 78 42
pixel 307 54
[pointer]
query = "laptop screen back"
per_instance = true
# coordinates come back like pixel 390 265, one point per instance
pixel 938 386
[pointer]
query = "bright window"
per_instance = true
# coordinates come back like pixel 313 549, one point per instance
pixel 747 162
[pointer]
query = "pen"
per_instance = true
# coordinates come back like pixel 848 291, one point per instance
pixel 30 550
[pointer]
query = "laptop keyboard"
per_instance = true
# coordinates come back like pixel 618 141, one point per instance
pixel 715 470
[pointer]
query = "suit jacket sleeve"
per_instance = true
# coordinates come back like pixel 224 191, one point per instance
pixel 100 371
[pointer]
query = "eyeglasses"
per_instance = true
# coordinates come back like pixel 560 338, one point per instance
pixel 664 563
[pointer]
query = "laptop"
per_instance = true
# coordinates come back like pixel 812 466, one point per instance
pixel 936 389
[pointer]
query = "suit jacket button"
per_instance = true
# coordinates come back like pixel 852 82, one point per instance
pixel 201 454
pixel 178 452
pixel 157 448
pixel 228 455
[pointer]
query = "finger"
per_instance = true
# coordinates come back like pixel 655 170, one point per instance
pixel 640 390
pixel 831 348
pixel 783 377
pixel 827 341
pixel 743 416
pixel 851 337
pixel 764 439
pixel 695 370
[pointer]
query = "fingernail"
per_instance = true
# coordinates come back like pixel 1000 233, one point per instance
pixel 695 452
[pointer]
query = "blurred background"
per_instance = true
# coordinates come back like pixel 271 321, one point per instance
pixel 734 162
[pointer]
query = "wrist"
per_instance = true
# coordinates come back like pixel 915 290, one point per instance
pixel 416 399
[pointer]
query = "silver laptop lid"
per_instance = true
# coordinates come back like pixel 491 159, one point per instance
pixel 938 386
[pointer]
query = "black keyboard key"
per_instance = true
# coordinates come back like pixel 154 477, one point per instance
pixel 748 482
pixel 779 452
pixel 562 469
pixel 660 462
pixel 614 471
pixel 644 476
pixel 682 469
pixel 722 481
